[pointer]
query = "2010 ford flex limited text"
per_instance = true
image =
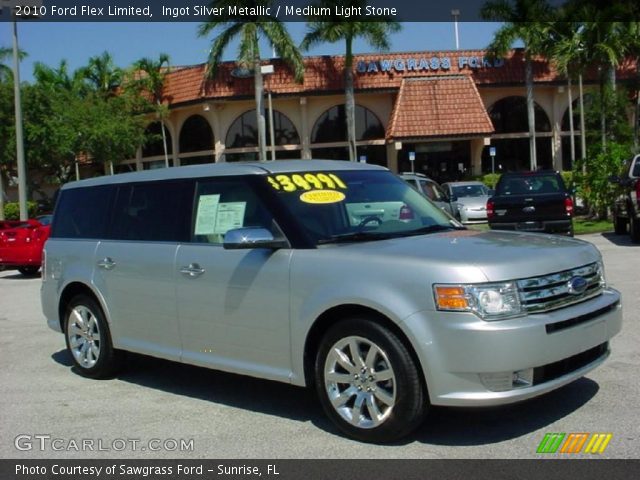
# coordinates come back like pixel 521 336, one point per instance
pixel 330 274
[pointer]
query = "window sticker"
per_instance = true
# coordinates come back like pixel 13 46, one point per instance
pixel 230 215
pixel 206 214
pixel 306 181
pixel 321 197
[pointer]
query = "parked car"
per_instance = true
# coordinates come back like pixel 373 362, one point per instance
pixel 533 202
pixel 269 269
pixel 430 189
pixel 468 200
pixel 626 209
pixel 21 244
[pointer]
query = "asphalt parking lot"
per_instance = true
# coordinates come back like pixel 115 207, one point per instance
pixel 155 404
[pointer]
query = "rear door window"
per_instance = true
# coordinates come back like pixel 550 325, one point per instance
pixel 152 211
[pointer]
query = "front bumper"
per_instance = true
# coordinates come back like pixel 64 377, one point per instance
pixel 460 352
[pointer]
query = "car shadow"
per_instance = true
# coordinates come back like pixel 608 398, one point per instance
pixel 19 276
pixel 480 426
pixel 443 426
pixel 620 240
pixel 238 391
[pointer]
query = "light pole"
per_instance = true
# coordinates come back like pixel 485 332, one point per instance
pixel 456 13
pixel 268 70
pixel 22 171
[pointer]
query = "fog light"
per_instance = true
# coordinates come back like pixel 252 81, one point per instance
pixel 522 378
pixel 505 381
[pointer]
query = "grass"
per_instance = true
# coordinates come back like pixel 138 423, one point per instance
pixel 582 225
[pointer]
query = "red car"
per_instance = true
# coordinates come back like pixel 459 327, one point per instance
pixel 21 244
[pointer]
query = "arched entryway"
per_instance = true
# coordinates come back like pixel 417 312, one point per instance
pixel 196 143
pixel 241 143
pixel 511 137
pixel 329 136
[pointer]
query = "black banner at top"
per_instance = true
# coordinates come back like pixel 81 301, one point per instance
pixel 284 10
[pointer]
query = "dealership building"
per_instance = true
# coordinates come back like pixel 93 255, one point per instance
pixel 447 111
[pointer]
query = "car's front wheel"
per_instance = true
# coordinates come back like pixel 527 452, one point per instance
pixel 89 340
pixel 619 225
pixel 368 383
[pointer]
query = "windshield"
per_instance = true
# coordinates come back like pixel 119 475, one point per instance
pixel 469 191
pixel 357 206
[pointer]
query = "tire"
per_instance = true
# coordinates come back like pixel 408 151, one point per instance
pixel 89 340
pixel 570 232
pixel 28 271
pixel 380 380
pixel 619 225
pixel 634 228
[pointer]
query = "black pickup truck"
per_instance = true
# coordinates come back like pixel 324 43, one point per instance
pixel 533 202
pixel 626 210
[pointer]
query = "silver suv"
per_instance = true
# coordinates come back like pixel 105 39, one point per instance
pixel 334 275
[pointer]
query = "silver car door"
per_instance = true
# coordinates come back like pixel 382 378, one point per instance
pixel 233 304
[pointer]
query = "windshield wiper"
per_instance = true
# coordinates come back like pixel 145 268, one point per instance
pixel 357 237
pixel 368 236
pixel 433 229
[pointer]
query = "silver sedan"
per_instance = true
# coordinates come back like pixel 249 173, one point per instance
pixel 468 200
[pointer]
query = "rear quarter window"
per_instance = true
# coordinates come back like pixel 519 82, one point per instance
pixel 82 212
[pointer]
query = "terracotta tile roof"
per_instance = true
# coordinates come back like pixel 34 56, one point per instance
pixel 437 106
pixel 324 74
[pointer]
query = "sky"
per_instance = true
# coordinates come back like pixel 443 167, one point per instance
pixel 51 42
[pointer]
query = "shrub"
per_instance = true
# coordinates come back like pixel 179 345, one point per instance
pixel 594 186
pixel 12 210
pixel 491 179
pixel 567 178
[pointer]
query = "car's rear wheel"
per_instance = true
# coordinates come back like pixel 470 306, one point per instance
pixel 634 228
pixel 28 271
pixel 89 340
pixel 619 225
pixel 368 383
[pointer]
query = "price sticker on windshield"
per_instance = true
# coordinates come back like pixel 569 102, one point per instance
pixel 306 181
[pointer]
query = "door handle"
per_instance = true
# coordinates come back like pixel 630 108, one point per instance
pixel 107 263
pixel 193 270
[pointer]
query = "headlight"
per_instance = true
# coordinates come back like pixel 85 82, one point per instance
pixel 603 279
pixel 490 301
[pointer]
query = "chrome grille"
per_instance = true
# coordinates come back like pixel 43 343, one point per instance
pixel 550 292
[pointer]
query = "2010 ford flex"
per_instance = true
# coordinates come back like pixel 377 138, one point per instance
pixel 330 274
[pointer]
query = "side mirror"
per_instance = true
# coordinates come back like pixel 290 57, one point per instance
pixel 453 198
pixel 251 237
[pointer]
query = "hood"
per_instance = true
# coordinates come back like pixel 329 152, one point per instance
pixel 497 255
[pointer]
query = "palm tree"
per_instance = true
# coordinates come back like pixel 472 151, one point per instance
pixel 152 81
pixel 6 54
pixel 527 21
pixel 566 51
pixel 374 31
pixel 59 78
pixel 249 29
pixel 103 75
pixel 604 46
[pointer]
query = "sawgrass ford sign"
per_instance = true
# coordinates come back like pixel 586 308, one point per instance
pixel 400 65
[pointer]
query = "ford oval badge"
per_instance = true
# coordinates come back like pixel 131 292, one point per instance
pixel 577 285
